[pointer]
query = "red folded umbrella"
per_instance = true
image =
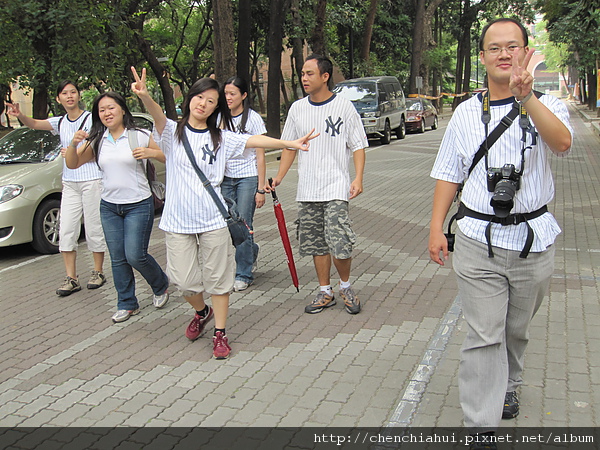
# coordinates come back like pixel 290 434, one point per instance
pixel 285 239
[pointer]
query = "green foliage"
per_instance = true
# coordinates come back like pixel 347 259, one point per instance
pixel 576 24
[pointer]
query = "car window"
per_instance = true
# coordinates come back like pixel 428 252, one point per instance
pixel 363 94
pixel 390 91
pixel 25 145
pixel 383 97
pixel 413 105
pixel 142 122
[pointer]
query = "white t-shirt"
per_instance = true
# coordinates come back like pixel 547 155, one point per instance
pixel 189 208
pixel 123 177
pixel 462 139
pixel 87 172
pixel 246 167
pixel 323 172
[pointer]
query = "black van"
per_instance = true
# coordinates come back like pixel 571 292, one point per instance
pixel 380 103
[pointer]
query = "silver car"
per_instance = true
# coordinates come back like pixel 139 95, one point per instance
pixel 31 185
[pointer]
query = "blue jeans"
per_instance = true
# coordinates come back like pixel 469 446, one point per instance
pixel 127 231
pixel 242 191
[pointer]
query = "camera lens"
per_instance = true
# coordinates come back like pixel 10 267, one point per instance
pixel 502 200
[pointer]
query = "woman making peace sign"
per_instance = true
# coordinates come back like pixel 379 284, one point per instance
pixel 195 229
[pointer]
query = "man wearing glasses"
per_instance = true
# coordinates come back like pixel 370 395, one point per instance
pixel 504 256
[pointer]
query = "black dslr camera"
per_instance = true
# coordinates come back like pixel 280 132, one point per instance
pixel 504 183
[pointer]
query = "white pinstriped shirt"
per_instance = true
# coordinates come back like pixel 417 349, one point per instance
pixel 461 141
pixel 323 172
pixel 243 167
pixel 189 209
pixel 87 172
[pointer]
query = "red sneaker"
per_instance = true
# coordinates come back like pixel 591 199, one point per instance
pixel 196 326
pixel 221 348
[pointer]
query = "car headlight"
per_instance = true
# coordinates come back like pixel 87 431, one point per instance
pixel 9 192
pixel 372 114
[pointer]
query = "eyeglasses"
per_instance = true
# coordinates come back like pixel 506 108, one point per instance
pixel 497 50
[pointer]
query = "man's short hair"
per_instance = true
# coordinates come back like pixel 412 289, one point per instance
pixel 324 64
pixel 504 19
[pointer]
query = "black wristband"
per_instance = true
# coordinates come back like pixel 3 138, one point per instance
pixel 260 191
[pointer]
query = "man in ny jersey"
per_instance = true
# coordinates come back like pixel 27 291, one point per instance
pixel 81 190
pixel 504 255
pixel 324 185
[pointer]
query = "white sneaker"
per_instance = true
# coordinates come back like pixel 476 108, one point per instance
pixel 240 285
pixel 160 300
pixel 123 314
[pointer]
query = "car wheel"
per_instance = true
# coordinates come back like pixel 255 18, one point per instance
pixel 387 134
pixel 401 130
pixel 46 223
pixel 434 125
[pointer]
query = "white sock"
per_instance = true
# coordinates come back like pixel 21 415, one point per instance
pixel 345 284
pixel 326 289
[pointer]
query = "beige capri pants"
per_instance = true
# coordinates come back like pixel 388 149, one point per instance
pixel 201 262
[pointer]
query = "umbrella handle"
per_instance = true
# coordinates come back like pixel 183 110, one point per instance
pixel 272 190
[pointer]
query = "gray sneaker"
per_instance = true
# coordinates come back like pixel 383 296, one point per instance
pixel 351 301
pixel 123 314
pixel 69 286
pixel 321 301
pixel 160 300
pixel 96 280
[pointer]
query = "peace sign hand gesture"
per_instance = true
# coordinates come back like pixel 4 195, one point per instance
pixel 138 87
pixel 521 81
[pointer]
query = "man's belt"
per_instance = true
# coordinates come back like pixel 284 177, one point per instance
pixel 511 219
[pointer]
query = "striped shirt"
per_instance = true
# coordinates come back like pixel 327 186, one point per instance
pixel 323 172
pixel 461 141
pixel 87 172
pixel 246 167
pixel 189 208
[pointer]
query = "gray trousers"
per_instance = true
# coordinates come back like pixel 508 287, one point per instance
pixel 500 296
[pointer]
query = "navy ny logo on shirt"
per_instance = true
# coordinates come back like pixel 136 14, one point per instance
pixel 335 127
pixel 206 151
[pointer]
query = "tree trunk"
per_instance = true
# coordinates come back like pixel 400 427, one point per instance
pixel 286 100
pixel 368 33
pixel 460 60
pixel 223 40
pixel 40 102
pixel 275 46
pixel 297 48
pixel 161 76
pixel 317 39
pixel 243 48
pixel 592 87
pixel 417 46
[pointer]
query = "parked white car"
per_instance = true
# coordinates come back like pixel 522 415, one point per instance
pixel 31 185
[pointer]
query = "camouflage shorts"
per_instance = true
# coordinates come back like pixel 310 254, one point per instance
pixel 324 228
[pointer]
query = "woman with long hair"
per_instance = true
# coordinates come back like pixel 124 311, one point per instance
pixel 127 206
pixel 194 227
pixel 244 177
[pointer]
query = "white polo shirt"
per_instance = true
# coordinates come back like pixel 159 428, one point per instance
pixel 124 178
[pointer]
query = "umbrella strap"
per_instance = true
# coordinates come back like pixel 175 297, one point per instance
pixel 205 181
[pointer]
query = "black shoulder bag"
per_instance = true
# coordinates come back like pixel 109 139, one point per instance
pixel 238 229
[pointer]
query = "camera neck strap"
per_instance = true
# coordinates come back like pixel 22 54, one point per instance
pixel 505 123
